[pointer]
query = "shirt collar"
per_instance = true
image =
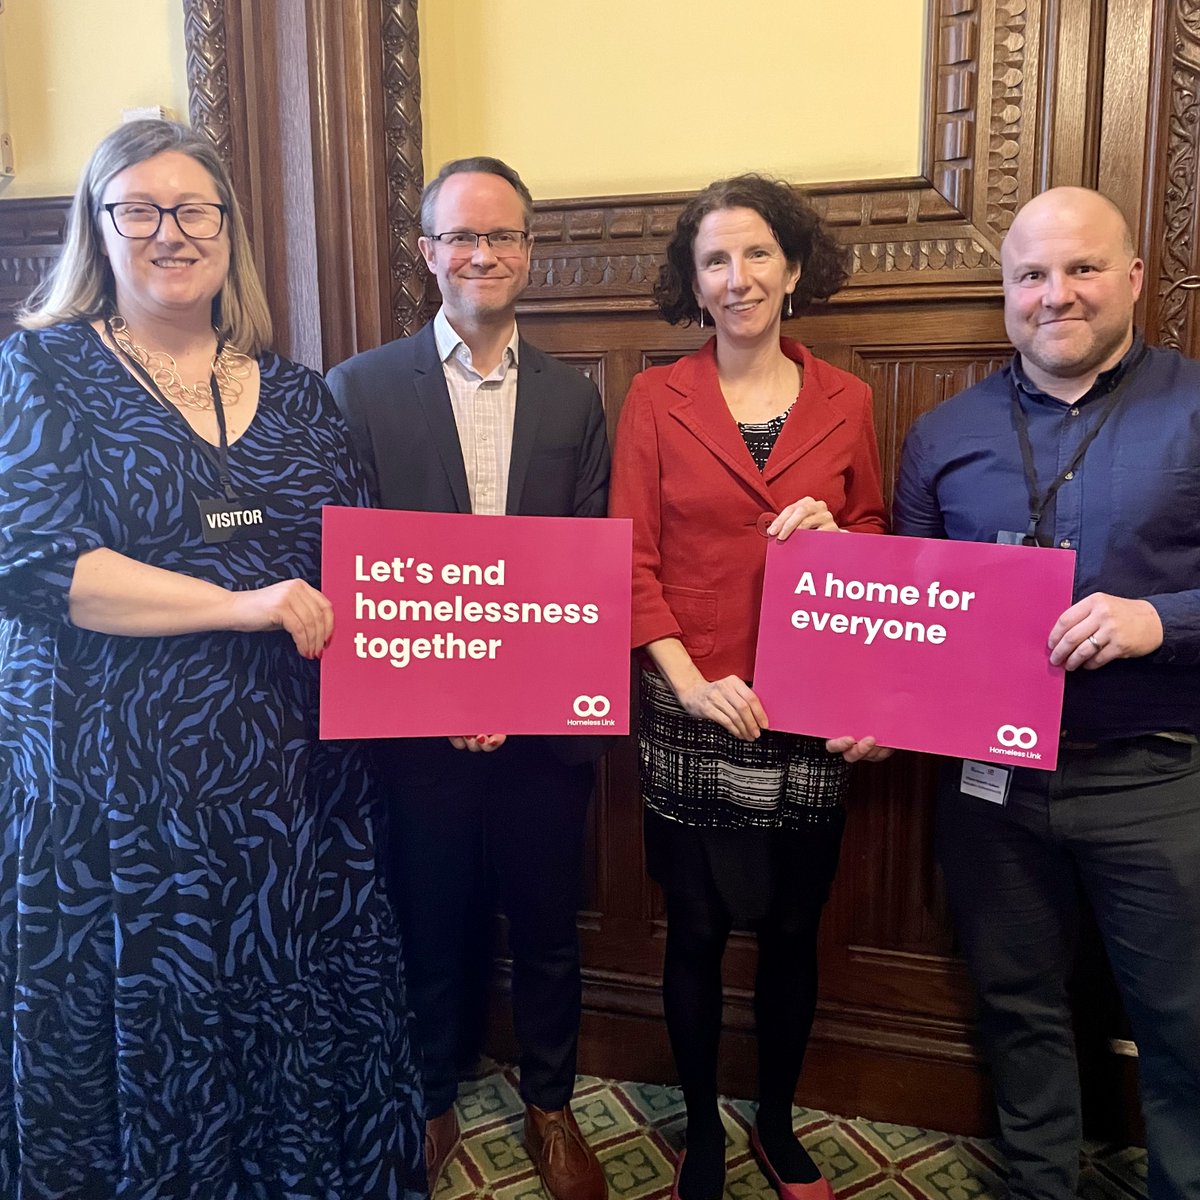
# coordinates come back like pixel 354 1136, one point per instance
pixel 1105 381
pixel 448 341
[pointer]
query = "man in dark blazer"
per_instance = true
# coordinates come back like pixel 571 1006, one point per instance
pixel 466 416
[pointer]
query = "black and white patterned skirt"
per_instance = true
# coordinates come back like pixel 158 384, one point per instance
pixel 696 772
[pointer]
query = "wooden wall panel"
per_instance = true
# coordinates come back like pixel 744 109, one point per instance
pixel 31 236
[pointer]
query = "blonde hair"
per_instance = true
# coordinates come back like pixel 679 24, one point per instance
pixel 80 285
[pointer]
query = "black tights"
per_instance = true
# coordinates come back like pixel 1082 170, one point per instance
pixel 785 996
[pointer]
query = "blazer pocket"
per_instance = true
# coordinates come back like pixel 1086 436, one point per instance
pixel 696 612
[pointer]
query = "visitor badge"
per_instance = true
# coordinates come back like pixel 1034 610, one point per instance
pixel 985 780
pixel 232 520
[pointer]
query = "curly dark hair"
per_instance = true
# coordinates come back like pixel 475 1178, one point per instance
pixel 824 265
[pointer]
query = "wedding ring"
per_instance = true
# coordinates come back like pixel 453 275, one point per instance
pixel 1092 639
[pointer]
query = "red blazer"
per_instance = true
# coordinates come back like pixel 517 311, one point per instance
pixel 682 472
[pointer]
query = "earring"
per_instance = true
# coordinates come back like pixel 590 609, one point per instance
pixel 787 312
pixel 702 318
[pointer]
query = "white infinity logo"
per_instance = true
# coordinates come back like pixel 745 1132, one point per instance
pixel 591 706
pixel 1023 738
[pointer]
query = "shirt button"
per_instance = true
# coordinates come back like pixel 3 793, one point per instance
pixel 1073 412
pixel 1069 475
pixel 1065 543
pixel 764 522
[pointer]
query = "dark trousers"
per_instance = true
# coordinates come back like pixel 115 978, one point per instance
pixel 453 818
pixel 1121 825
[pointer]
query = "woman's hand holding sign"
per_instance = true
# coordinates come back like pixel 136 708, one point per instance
pixel 805 513
pixel 729 702
pixel 858 750
pixel 480 743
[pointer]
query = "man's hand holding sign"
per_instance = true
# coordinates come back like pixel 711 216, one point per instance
pixel 1101 628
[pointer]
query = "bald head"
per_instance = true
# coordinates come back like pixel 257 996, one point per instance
pixel 1067 206
pixel 1071 280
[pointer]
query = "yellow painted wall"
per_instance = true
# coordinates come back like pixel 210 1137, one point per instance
pixel 72 66
pixel 606 97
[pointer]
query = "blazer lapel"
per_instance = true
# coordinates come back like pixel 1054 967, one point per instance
pixel 702 410
pixel 810 422
pixel 531 401
pixel 429 383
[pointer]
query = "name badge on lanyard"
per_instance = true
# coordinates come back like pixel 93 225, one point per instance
pixel 985 781
pixel 236 520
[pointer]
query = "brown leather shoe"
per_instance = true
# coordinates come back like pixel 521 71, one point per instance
pixel 567 1164
pixel 441 1140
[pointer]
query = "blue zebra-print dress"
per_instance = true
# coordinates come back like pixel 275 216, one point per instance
pixel 200 983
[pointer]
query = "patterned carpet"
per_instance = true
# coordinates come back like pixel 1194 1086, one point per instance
pixel 636 1128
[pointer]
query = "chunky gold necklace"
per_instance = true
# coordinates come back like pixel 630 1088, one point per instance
pixel 229 366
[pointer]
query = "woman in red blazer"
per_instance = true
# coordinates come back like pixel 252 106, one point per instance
pixel 749 438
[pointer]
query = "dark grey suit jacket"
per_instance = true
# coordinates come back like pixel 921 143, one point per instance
pixel 398 409
pixel 396 403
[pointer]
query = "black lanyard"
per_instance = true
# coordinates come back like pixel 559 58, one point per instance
pixel 222 460
pixel 1039 502
pixel 218 455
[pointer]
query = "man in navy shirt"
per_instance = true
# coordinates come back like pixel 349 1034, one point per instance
pixel 1088 440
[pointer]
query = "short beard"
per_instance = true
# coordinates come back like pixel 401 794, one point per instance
pixel 1076 368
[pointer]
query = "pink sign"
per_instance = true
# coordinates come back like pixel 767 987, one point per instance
pixel 452 625
pixel 922 644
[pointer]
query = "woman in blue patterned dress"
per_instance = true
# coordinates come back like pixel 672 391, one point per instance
pixel 200 982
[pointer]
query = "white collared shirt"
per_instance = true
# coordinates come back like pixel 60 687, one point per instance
pixel 484 408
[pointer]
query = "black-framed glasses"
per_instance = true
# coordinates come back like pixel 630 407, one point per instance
pixel 464 241
pixel 142 218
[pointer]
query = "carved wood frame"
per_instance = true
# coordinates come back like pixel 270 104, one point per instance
pixel 365 111
pixel 1173 257
pixel 938 230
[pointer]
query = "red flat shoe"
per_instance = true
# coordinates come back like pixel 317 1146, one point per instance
pixel 819 1189
pixel 441 1141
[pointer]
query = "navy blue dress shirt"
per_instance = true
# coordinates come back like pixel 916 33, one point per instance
pixel 1130 511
